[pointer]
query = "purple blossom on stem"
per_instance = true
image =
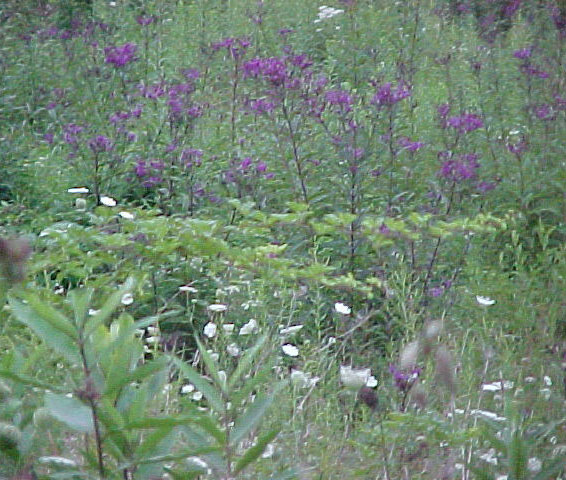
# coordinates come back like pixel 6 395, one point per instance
pixel 409 145
pixel 261 106
pixel 122 55
pixel 544 112
pixel 522 53
pixel 532 71
pixel 517 148
pixel 99 144
pixel 340 98
pixel 460 169
pixel 145 20
pixel 191 156
pixel 484 187
pixel 468 122
pixel 387 97
pixel 404 380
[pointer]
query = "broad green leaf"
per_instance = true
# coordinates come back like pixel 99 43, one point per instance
pixel 245 362
pixel 201 384
pixel 51 315
pixel 53 337
pixel 70 411
pixel 111 304
pixel 211 365
pixel 80 301
pixel 253 415
pixel 254 452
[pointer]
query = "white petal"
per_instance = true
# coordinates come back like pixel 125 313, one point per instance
pixel 342 308
pixel 290 350
pixel 371 382
pixel 188 288
pixel 484 300
pixel 78 190
pixel 127 299
pixel 228 327
pixel 210 329
pixel 217 307
pixel 108 201
pixel 233 350
pixel 126 215
pixel 249 327
pixel 291 329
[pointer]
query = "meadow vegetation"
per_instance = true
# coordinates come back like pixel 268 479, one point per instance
pixel 280 239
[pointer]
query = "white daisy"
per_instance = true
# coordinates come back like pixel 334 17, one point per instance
pixel 486 301
pixel 290 350
pixel 210 329
pixel 342 308
pixel 108 201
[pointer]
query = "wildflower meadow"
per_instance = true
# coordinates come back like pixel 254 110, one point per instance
pixel 282 239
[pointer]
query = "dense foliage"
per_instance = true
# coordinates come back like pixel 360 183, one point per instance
pixel 355 213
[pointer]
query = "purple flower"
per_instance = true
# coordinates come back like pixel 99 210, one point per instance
pixel 285 31
pixel 387 97
pixel 261 106
pixel 145 20
pixel 50 106
pixel 245 163
pixel 141 168
pixel 100 143
pixel 122 55
pixel 485 187
pixel 407 144
pixel 459 169
pixel 131 136
pixel 517 148
pixel 191 156
pixel 261 167
pixel 339 98
pixel 273 69
pixel 522 53
pixel 436 291
pixel 468 122
pixel 152 181
pixel 157 164
pixel 443 110
pixel 404 380
pixel 532 71
pixel 544 112
pixel 48 137
pixel 191 73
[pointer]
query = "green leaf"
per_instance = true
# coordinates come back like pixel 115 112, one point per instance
pixel 253 415
pixel 53 337
pixel 518 457
pixel 80 301
pixel 111 304
pixel 254 452
pixel 245 362
pixel 213 396
pixel 25 380
pixel 51 315
pixel 70 411
pixel 211 366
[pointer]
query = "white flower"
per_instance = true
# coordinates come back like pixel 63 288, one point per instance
pixel 249 327
pixel 269 451
pixel 197 396
pixel 291 329
pixel 188 288
pixel 92 311
pixel 108 201
pixel 342 308
pixel 153 330
pixel 290 350
pixel 210 329
pixel 228 327
pixel 299 379
pixel 80 204
pixel 534 465
pixel 126 215
pixel 371 382
pixel 331 340
pixel 496 386
pixel 57 461
pixel 325 12
pixel 152 339
pixel 233 350
pixel 217 307
pixel 214 355
pixel 547 381
pixel 354 378
pixel 489 457
pixel 486 301
pixel 127 299
pixel 187 388
pixel 490 415
pixel 546 393
pixel 78 190
pixel 198 462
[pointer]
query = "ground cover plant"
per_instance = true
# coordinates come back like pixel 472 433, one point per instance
pixel 282 239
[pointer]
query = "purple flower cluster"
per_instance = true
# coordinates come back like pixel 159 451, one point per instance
pixel 386 96
pixel 465 123
pixel 459 169
pixel 273 69
pixel 235 46
pixel 149 174
pixel 409 145
pixel 144 21
pixel 404 380
pixel 122 55
pixel 99 144
pixel 191 156
pixel 71 132
pixel 523 53
pixel 340 99
pixel 261 106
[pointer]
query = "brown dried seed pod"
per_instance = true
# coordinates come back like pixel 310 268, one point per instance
pixel 369 397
